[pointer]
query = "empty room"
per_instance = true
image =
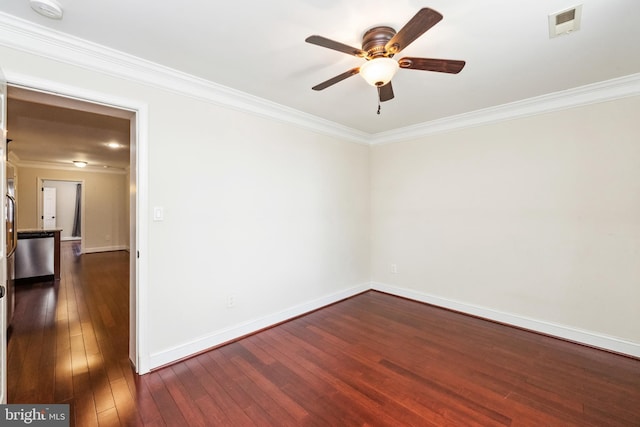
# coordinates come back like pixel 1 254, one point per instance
pixel 329 213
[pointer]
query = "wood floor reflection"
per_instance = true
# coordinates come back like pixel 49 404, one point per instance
pixel 69 340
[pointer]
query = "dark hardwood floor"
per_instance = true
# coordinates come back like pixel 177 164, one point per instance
pixel 373 360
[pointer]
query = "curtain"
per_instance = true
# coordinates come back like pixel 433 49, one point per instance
pixel 76 217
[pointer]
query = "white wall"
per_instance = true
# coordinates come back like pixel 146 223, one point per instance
pixel 273 214
pixel 530 219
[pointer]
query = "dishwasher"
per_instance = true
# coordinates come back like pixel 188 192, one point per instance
pixel 34 254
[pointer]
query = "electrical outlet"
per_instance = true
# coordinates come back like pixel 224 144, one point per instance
pixel 394 268
pixel 231 301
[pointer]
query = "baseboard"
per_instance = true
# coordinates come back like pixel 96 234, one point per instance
pixel 589 338
pixel 105 249
pixel 218 338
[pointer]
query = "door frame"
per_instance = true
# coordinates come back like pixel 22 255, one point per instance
pixel 4 282
pixel 139 195
pixel 40 203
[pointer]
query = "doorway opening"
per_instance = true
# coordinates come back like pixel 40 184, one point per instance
pixel 61 206
pixel 53 161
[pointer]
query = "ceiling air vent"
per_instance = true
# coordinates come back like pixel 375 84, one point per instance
pixel 565 22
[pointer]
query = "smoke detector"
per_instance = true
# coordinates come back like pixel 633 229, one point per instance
pixel 48 8
pixel 565 22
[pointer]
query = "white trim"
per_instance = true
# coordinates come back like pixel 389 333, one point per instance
pixel 72 168
pixel 561 331
pixel 229 334
pixel 26 36
pixel 3 239
pixel 105 249
pixel 598 92
pixel 223 336
pixel 141 252
pixel 69 91
pixel 17 33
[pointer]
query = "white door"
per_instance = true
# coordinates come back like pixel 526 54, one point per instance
pixel 48 208
pixel 3 241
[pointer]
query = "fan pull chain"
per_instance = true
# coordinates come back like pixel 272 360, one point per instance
pixel 378 100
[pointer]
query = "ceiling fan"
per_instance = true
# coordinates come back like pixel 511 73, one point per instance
pixel 379 45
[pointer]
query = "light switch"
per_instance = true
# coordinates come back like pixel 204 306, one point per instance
pixel 158 214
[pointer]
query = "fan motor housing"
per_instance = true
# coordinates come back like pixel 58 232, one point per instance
pixel 375 40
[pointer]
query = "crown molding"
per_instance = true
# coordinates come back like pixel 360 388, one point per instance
pixel 26 36
pixel 70 168
pixel 22 35
pixel 16 161
pixel 589 94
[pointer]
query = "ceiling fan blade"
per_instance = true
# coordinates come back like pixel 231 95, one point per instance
pixel 451 66
pixel 340 47
pixel 418 25
pixel 336 79
pixel 385 92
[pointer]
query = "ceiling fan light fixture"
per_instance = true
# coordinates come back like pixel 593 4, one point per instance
pixel 379 71
pixel 80 163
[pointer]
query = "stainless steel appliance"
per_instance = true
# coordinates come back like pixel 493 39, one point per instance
pixel 34 254
pixel 12 241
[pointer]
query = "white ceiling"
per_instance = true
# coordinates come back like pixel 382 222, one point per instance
pixel 258 47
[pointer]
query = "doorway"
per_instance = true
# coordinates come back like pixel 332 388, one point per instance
pixel 62 207
pixel 109 107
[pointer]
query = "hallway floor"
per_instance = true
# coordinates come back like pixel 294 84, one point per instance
pixel 69 340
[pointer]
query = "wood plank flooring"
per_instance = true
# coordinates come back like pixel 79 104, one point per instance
pixel 373 360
